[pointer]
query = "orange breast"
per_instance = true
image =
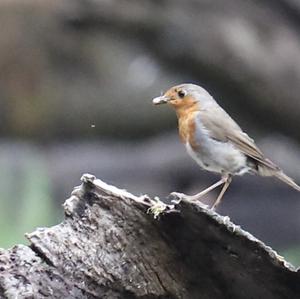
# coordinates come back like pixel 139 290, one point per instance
pixel 187 128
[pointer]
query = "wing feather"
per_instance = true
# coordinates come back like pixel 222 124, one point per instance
pixel 222 127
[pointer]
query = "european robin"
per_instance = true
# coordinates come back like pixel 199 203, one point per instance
pixel 214 140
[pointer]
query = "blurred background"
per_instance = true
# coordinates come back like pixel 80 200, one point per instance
pixel 76 83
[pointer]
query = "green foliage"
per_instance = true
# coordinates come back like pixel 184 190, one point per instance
pixel 292 255
pixel 25 200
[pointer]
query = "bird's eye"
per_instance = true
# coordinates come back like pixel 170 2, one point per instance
pixel 181 93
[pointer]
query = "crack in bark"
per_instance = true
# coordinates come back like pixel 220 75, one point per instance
pixel 41 255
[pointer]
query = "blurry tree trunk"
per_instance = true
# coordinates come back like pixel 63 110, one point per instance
pixel 109 247
pixel 246 52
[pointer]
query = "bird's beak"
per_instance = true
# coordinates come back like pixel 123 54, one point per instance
pixel 160 100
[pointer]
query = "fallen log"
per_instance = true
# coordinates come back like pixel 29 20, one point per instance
pixel 110 246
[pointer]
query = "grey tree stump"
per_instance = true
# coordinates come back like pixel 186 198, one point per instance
pixel 108 246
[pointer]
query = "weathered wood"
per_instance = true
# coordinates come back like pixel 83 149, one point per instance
pixel 108 246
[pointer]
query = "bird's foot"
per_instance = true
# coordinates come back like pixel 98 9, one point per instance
pixel 179 196
pixel 213 207
pixel 176 197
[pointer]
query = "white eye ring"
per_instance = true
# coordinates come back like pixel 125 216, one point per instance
pixel 182 93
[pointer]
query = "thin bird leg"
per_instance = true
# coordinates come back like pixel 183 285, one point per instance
pixel 220 196
pixel 215 185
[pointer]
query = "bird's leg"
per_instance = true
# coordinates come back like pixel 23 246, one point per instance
pixel 200 194
pixel 228 180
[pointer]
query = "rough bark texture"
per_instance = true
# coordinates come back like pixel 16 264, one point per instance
pixel 108 246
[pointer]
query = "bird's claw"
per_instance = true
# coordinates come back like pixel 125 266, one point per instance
pixel 176 197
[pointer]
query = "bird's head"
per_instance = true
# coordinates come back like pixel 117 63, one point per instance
pixel 185 96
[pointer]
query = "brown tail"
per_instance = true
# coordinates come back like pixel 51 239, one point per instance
pixel 286 179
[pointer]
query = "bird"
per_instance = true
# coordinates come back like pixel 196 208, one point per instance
pixel 215 141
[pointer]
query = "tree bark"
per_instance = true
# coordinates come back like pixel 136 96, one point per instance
pixel 108 246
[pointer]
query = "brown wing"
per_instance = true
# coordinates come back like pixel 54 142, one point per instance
pixel 222 127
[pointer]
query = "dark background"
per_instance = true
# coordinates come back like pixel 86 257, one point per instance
pixel 76 83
